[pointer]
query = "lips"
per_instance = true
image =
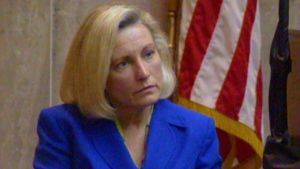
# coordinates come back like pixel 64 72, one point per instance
pixel 145 89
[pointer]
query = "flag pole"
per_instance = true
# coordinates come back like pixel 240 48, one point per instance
pixel 279 151
pixel 172 14
pixel 280 63
pixel 174 17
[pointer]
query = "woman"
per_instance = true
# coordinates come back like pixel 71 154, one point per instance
pixel 116 75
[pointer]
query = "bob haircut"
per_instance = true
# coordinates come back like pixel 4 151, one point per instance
pixel 88 62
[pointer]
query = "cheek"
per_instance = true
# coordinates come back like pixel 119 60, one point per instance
pixel 113 85
pixel 117 93
pixel 157 72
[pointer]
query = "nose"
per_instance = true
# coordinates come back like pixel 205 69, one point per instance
pixel 142 71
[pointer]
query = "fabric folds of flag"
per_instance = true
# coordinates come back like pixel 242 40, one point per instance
pixel 220 72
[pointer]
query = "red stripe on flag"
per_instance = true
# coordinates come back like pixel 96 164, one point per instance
pixel 233 90
pixel 259 103
pixel 201 29
pixel 243 150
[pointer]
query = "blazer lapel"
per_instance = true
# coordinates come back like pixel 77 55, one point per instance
pixel 109 144
pixel 163 137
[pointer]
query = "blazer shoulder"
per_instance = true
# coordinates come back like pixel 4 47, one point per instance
pixel 63 114
pixel 61 111
pixel 189 117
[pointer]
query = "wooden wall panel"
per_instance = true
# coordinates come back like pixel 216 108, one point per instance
pixel 293 91
pixel 24 78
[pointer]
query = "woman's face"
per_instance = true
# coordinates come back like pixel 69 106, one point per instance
pixel 135 78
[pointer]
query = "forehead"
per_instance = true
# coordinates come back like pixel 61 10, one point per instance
pixel 133 37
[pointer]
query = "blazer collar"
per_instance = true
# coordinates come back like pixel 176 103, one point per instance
pixel 163 135
pixel 164 111
pixel 110 145
pixel 162 139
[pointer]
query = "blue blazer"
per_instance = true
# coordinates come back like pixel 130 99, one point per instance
pixel 178 139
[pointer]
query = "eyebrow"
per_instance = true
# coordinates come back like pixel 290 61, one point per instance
pixel 149 45
pixel 119 58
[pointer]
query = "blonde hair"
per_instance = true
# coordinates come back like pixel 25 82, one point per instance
pixel 88 62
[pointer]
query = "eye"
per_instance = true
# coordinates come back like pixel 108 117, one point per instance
pixel 122 65
pixel 149 54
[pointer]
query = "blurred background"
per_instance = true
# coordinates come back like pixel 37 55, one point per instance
pixel 35 36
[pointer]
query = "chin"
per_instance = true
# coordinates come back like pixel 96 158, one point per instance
pixel 147 100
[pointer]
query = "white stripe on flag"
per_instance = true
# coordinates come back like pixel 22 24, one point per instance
pixel 188 8
pixel 219 54
pixel 247 111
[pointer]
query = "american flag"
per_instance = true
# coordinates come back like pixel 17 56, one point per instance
pixel 220 71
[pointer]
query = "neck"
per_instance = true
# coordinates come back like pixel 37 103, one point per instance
pixel 134 117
